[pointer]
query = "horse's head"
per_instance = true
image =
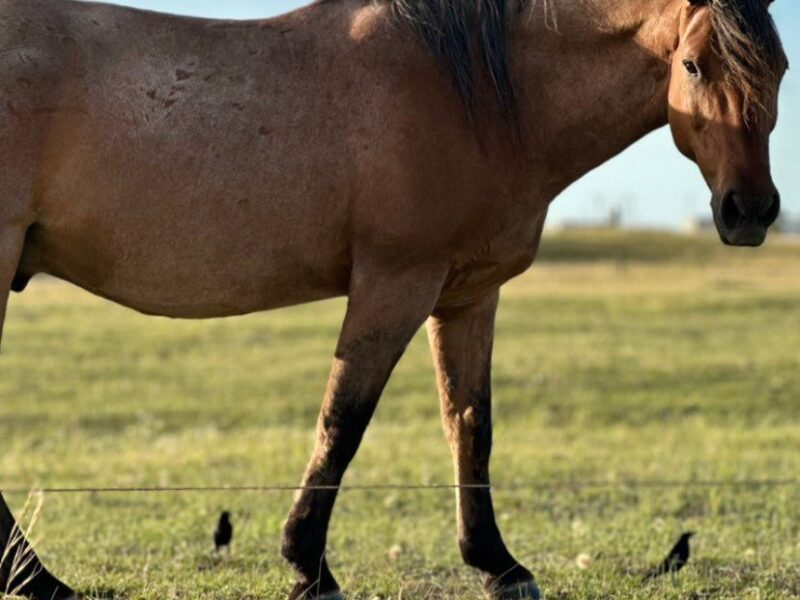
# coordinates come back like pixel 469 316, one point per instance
pixel 723 105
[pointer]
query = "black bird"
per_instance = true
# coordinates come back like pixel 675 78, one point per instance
pixel 676 559
pixel 223 534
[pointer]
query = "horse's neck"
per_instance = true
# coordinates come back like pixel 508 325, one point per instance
pixel 599 82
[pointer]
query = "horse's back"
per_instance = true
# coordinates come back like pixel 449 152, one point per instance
pixel 197 168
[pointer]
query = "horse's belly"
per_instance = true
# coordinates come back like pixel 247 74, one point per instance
pixel 204 270
pixel 170 225
pixel 245 291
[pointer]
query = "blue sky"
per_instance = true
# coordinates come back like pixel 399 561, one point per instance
pixel 654 184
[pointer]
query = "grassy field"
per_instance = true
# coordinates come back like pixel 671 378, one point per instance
pixel 619 357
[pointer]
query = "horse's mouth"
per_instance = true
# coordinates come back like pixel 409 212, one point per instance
pixel 747 236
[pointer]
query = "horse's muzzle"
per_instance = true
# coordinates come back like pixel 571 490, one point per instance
pixel 743 219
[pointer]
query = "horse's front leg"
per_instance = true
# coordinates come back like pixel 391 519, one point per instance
pixel 21 573
pixel 384 312
pixel 461 341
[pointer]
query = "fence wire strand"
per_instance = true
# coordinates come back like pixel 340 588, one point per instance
pixel 513 487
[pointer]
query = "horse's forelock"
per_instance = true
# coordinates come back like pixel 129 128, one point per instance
pixel 750 48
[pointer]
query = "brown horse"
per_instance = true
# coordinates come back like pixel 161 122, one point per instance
pixel 400 152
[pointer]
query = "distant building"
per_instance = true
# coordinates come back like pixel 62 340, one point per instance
pixel 699 225
pixel 612 221
pixel 787 225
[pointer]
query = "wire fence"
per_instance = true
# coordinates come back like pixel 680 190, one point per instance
pixel 430 487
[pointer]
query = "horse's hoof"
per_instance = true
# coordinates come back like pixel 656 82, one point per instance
pixel 526 590
pixel 301 592
pixel 44 586
pixel 328 596
pixel 71 596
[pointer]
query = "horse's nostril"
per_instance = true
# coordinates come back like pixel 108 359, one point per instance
pixel 730 212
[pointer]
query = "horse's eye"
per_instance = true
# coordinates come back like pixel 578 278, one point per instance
pixel 692 68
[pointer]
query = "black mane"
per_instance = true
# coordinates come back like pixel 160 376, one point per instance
pixel 746 39
pixel 450 28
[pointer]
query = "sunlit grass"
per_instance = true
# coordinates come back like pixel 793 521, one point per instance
pixel 622 367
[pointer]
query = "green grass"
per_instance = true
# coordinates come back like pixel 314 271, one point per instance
pixel 610 364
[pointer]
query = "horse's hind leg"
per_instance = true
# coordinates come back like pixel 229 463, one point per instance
pixel 461 341
pixel 383 314
pixel 11 242
pixel 21 573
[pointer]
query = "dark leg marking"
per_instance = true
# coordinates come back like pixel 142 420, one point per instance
pixel 340 430
pixel 381 320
